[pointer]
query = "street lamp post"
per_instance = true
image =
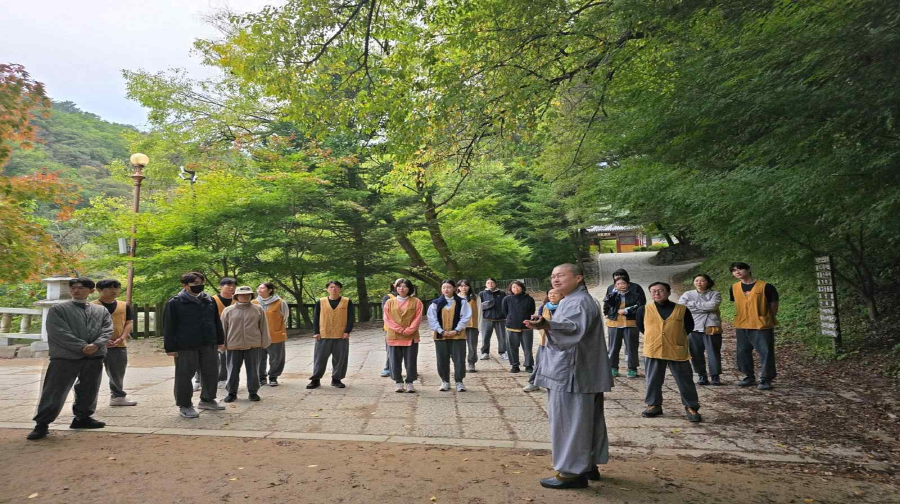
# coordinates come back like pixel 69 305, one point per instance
pixel 139 161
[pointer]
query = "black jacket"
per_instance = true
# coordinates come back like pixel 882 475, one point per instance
pixel 613 300
pixel 191 323
pixel 632 288
pixel 518 308
pixel 492 304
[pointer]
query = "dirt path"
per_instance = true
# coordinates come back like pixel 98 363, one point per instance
pixel 104 468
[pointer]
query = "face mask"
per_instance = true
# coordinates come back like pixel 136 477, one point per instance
pixel 197 289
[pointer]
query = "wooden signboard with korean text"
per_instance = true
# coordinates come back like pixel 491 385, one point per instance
pixel 829 321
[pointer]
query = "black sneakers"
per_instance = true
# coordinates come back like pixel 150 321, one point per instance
pixel 39 432
pixel 764 385
pixel 273 382
pixel 692 415
pixel 747 381
pixel 86 423
pixel 714 380
pixel 514 369
pixel 338 384
pixel 652 411
pixel 254 397
pixel 230 398
pixel 703 380
pixel 313 384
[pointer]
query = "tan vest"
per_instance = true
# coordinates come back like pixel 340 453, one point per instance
pixel 220 305
pixel 621 320
pixel 473 304
pixel 545 313
pixel 118 319
pixel 333 322
pixel 275 322
pixel 385 308
pixel 446 316
pixel 665 339
pixel 751 309
pixel 402 317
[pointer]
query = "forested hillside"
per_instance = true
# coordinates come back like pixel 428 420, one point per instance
pixel 79 146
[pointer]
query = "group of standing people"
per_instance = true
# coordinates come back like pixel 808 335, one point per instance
pixel 206 334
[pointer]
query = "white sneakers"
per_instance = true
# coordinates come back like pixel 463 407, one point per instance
pixel 222 384
pixel 460 387
pixel 504 356
pixel 196 385
pixel 410 388
pixel 121 401
pixel 445 386
pixel 484 356
pixel 399 388
pixel 531 387
pixel 188 412
pixel 212 405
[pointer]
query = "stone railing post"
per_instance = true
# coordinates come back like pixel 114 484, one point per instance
pixel 57 292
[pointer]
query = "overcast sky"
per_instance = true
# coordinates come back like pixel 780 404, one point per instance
pixel 78 48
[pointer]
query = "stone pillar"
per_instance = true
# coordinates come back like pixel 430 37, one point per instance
pixel 57 292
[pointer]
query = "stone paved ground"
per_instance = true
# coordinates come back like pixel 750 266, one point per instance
pixel 494 411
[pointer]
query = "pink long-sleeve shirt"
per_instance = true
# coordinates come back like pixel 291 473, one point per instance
pixel 413 327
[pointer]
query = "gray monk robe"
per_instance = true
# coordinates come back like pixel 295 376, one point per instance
pixel 574 366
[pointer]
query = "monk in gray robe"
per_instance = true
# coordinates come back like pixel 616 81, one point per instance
pixel 574 367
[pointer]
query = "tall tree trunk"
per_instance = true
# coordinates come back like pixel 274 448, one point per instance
pixel 365 312
pixel 418 268
pixel 666 235
pixel 437 237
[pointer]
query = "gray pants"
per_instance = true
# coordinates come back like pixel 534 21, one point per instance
pixel 630 336
pixel 115 362
pixel 537 356
pixel 204 360
pixel 655 370
pixel 275 354
pixel 250 360
pixel 223 367
pixel 578 437
pixel 711 344
pixel 404 356
pixel 525 339
pixel 447 350
pixel 62 374
pixel 761 340
pixel 387 358
pixel 338 350
pixel 472 344
pixel 487 328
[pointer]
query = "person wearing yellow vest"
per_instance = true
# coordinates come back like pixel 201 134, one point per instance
pixel 402 316
pixel 756 305
pixel 620 306
pixel 277 313
pixel 544 312
pixel 448 317
pixel 246 336
pixel 223 300
pixel 387 350
pixel 666 326
pixel 332 323
pixel 464 289
pixel 116 359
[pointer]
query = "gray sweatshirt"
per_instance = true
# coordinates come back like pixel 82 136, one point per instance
pixel 72 326
pixel 704 307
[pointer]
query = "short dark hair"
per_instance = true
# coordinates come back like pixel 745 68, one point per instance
pixel 109 283
pixel 334 282
pixel 492 279
pixel 84 281
pixel 192 276
pixel 227 281
pixel 408 284
pixel 448 281
pixel 708 278
pixel 615 281
pixel 739 265
pixel 621 273
pixel 269 285
pixel 516 282
pixel 664 284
